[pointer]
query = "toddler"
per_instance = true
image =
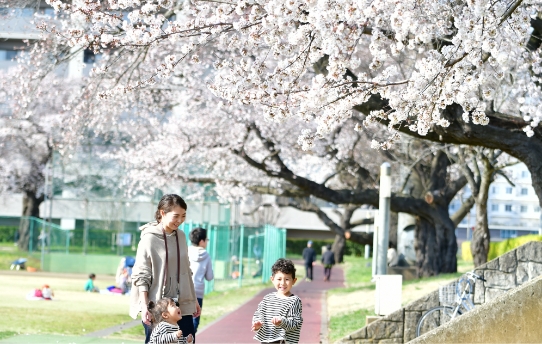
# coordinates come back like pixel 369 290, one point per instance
pixel 278 317
pixel 165 314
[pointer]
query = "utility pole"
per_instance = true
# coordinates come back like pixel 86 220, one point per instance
pixel 383 220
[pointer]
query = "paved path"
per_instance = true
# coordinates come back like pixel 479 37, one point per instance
pixel 235 326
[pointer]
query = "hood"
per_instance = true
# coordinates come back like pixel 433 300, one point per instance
pixel 151 228
pixel 196 253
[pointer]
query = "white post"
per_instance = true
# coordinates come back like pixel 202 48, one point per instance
pixel 375 245
pixel 381 252
pixel 367 251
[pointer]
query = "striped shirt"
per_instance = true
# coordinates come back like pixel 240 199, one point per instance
pixel 165 333
pixel 289 309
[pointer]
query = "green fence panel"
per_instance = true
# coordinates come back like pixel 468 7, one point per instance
pixel 81 264
pixel 240 255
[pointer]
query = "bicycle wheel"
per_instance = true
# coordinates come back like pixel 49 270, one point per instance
pixel 434 318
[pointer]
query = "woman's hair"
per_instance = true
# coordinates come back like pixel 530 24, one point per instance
pixel 197 234
pixel 167 203
pixel 157 308
pixel 285 266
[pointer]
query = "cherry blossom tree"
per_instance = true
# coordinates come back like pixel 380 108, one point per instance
pixel 462 72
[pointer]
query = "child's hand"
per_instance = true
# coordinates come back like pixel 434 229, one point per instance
pixel 189 338
pixel 179 334
pixel 276 321
pixel 256 325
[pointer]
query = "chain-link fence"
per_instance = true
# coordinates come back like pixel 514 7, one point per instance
pixel 240 255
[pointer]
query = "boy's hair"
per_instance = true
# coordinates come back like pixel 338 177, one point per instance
pixel 197 235
pixel 285 266
pixel 157 308
pixel 91 276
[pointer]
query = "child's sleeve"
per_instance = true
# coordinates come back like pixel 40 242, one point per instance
pixel 160 335
pixel 258 314
pixel 293 320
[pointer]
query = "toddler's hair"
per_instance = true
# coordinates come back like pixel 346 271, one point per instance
pixel 157 308
pixel 91 276
pixel 285 266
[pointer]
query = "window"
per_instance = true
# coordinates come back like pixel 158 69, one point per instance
pixel 509 190
pixel 523 209
pixel 8 55
pixel 524 174
pixel 537 209
pixel 494 207
pixel 524 191
pixel 508 207
pixel 507 233
pixel 89 56
pixel 495 190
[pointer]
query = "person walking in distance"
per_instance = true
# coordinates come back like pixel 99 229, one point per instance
pixel 309 256
pixel 328 260
pixel 200 264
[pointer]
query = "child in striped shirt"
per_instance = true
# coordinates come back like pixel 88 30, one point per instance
pixel 278 317
pixel 165 314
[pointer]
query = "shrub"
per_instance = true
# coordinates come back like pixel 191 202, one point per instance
pixel 497 249
pixel 7 233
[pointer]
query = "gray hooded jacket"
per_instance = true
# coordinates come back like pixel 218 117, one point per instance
pixel 148 271
pixel 200 264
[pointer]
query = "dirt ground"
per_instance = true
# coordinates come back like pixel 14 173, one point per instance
pixel 365 299
pixel 341 303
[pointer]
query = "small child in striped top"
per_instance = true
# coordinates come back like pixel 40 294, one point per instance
pixel 165 314
pixel 278 317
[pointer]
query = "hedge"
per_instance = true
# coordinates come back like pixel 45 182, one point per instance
pixel 497 249
pixel 7 233
pixel 296 246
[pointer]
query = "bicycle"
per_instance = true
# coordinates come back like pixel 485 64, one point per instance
pixel 455 297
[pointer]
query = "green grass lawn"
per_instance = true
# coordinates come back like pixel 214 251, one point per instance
pixel 76 312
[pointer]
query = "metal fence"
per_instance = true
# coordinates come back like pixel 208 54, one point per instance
pixel 240 255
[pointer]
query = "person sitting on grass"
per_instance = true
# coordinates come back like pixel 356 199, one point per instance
pixel 165 315
pixel 90 284
pixel 278 317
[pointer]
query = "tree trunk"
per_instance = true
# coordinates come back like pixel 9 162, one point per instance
pixel 435 245
pixel 338 248
pixel 480 236
pixel 27 232
pixel 428 260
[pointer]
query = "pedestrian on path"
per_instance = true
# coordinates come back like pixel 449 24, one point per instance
pixel 165 315
pixel 200 264
pixel 162 268
pixel 309 256
pixel 328 260
pixel 278 316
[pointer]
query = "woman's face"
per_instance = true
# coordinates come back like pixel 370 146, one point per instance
pixel 173 219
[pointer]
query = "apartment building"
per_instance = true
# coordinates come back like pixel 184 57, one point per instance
pixel 513 210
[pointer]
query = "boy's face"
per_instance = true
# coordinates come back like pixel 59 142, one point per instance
pixel 283 283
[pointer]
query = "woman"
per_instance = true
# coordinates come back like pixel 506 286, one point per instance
pixel 162 268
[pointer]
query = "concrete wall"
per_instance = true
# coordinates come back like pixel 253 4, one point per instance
pixel 513 317
pixel 502 274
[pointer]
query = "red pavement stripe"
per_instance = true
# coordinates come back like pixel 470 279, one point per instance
pixel 235 326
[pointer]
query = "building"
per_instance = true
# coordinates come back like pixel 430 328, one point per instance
pixel 513 210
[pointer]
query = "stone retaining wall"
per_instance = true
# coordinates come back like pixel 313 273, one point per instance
pixel 502 274
pixel 513 317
